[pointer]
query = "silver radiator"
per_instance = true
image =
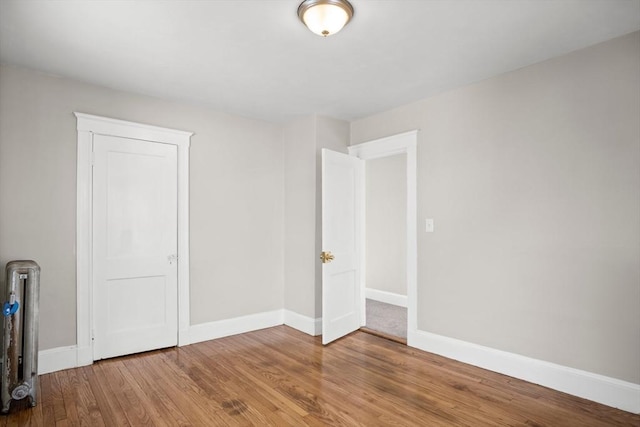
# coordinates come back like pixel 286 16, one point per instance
pixel 20 345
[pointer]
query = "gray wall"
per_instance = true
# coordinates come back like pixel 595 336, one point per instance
pixel 303 141
pixel 533 180
pixel 386 224
pixel 300 216
pixel 236 195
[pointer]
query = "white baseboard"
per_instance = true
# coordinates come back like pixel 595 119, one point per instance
pixel 387 297
pixel 85 356
pixel 61 358
pixel 57 359
pixel 234 326
pixel 598 388
pixel 302 323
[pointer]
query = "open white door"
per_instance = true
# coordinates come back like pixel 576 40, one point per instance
pixel 342 180
pixel 134 246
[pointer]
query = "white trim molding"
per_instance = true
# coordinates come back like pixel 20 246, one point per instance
pixel 87 126
pixel 60 358
pixel 57 359
pixel 598 388
pixel 253 322
pixel 386 297
pixel 402 143
pixel 384 147
pixel 302 323
pixel 85 356
pixel 237 325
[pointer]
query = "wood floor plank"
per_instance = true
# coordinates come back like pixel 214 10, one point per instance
pixel 59 410
pixel 296 403
pixel 166 407
pixel 70 398
pixel 157 414
pixel 339 391
pixel 264 384
pixel 89 413
pixel 183 391
pixel 212 394
pixel 111 411
pixel 134 410
pixel 305 393
pixel 371 391
pixel 282 377
pixel 244 392
pixel 46 400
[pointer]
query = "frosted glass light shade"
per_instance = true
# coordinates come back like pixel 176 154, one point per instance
pixel 325 17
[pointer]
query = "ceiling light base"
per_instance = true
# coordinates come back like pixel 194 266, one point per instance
pixel 325 17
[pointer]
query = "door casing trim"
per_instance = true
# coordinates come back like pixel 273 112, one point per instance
pixel 403 143
pixel 87 126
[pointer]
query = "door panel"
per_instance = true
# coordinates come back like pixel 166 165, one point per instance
pixel 135 239
pixel 123 313
pixel 342 179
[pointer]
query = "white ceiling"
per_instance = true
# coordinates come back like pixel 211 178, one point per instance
pixel 254 58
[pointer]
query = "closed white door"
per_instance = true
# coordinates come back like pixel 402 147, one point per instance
pixel 134 246
pixel 342 190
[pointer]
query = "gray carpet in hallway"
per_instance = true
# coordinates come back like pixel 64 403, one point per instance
pixel 387 318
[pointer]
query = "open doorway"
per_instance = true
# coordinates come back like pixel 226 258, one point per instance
pixel 343 232
pixel 386 247
pixel 395 155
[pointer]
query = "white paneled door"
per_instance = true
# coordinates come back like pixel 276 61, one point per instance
pixel 134 246
pixel 342 204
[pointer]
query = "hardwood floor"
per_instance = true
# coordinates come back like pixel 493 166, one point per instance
pixel 282 377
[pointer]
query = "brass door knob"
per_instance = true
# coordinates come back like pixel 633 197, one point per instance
pixel 326 257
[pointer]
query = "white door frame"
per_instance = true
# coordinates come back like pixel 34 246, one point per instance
pixel 403 143
pixel 87 126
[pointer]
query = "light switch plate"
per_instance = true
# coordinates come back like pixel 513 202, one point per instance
pixel 429 225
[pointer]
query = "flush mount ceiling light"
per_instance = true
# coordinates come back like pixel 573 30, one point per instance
pixel 325 17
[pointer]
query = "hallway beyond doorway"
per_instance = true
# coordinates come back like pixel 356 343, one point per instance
pixel 387 320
